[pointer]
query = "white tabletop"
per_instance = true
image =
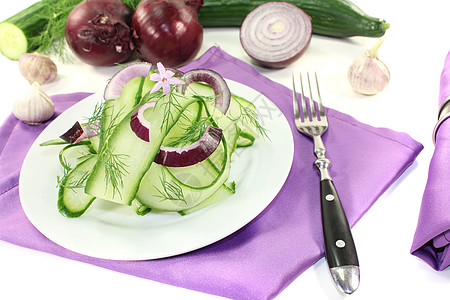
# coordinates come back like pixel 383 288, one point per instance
pixel 414 50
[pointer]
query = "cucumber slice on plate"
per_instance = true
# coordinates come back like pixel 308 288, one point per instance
pixel 72 200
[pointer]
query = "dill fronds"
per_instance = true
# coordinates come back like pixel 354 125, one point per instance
pixel 170 190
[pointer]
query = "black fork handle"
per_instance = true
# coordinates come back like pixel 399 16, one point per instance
pixel 339 245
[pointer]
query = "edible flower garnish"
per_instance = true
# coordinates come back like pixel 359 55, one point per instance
pixel 164 79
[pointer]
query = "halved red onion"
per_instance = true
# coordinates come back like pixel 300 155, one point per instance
pixel 191 154
pixel 118 81
pixel 138 123
pixel 78 133
pixel 219 85
pixel 275 34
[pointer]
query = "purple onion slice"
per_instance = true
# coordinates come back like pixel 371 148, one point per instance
pixel 78 133
pixel 219 85
pixel 138 123
pixel 275 34
pixel 118 81
pixel 193 153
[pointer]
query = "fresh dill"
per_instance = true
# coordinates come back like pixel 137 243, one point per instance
pixel 171 104
pixel 94 121
pixel 115 169
pixel 105 119
pixel 74 184
pixel 170 190
pixel 50 38
pixel 248 115
pixel 192 132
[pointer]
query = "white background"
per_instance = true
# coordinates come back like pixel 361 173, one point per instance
pixel 414 50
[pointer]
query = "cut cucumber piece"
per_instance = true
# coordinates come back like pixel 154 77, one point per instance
pixel 72 200
pixel 73 154
pixel 123 151
pixel 139 208
pixel 179 189
pixel 13 42
pixel 246 139
pixel 161 190
pixel 115 110
pixel 223 192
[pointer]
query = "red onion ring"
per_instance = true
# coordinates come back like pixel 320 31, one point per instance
pixel 275 34
pixel 191 154
pixel 114 87
pixel 215 80
pixel 140 125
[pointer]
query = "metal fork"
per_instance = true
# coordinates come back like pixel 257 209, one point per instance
pixel 340 251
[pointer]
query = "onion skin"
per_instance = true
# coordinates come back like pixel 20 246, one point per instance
pixel 167 31
pixel 73 134
pixel 78 133
pixel 192 154
pixel 99 33
pixel 275 34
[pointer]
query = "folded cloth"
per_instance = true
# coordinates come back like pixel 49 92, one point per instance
pixel 261 259
pixel 432 237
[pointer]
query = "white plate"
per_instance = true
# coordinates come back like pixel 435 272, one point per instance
pixel 111 231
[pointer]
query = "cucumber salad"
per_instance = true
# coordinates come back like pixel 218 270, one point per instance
pixel 161 140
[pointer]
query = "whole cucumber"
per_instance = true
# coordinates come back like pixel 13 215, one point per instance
pixel 337 18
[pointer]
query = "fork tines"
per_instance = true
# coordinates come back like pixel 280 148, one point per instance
pixel 312 97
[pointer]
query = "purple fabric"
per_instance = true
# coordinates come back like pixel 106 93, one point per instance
pixel 432 238
pixel 261 259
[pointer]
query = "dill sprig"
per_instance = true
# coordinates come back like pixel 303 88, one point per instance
pixel 115 169
pixel 50 39
pixel 170 190
pixel 63 181
pixel 94 121
pixel 192 132
pixel 250 116
pixel 168 107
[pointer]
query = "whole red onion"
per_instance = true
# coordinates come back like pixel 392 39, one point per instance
pixel 99 33
pixel 167 31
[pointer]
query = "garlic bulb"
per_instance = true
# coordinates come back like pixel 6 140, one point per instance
pixel 368 75
pixel 34 107
pixel 37 67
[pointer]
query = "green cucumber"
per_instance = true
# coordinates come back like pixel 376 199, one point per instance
pixel 140 208
pixel 223 192
pixel 115 110
pixel 337 18
pixel 72 200
pixel 134 155
pixel 246 139
pixel 162 191
pixel 180 189
pixel 35 28
pixel 73 154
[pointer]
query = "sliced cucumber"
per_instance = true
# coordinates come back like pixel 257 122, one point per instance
pixel 13 42
pixel 115 110
pixel 161 190
pixel 133 154
pixel 180 189
pixel 246 139
pixel 73 154
pixel 72 200
pixel 139 208
pixel 223 192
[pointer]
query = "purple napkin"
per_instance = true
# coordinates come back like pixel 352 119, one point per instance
pixel 432 238
pixel 261 259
